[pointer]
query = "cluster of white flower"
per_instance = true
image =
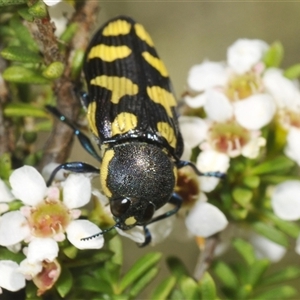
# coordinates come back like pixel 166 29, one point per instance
pixel 239 98
pixel 46 216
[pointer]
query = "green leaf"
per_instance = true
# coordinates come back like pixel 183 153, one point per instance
pixel 54 70
pixel 68 34
pixel 286 274
pixel 256 271
pixel 22 34
pixel 115 245
pixel 23 12
pixel 38 10
pixel 43 126
pixel 77 63
pixel 245 249
pixel 251 181
pixel 64 282
pixel 5 166
pixel 292 229
pixel 176 267
pixel 11 2
pixel 91 257
pixel 242 196
pixel 18 53
pixel 143 282
pixel 292 72
pixel 279 292
pixel 274 55
pixel 89 283
pixel 163 290
pixel 5 254
pixel 280 163
pixel 225 275
pixel 271 233
pixel 189 288
pixel 141 266
pixel 20 74
pixel 208 287
pixel 24 110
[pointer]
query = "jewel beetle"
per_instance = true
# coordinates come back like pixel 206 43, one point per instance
pixel 131 111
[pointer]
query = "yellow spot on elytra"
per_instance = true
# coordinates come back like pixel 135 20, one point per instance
pixel 123 123
pixel 119 86
pixel 107 157
pixel 175 174
pixel 116 28
pixel 155 63
pixel 109 53
pixel 163 97
pixel 167 132
pixel 143 34
pixel 91 116
pixel 130 221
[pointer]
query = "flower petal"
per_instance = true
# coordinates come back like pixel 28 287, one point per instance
pixel 136 234
pixel 205 220
pixel 5 193
pixel 211 161
pixel 195 101
pixel 265 248
pixel 28 185
pixel 206 75
pixel 79 229
pixel 193 130
pixel 283 90
pixel 29 270
pixel 10 278
pixel 286 200
pixel 13 228
pixel 218 106
pixel 40 249
pixel 292 149
pixel 243 54
pixel 77 190
pixel 51 2
pixel 255 111
pixel 161 230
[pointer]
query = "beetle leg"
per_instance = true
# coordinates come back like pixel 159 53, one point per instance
pixel 76 167
pixel 183 163
pixel 147 237
pixel 83 139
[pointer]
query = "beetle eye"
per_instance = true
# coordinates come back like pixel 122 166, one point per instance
pixel 119 206
pixel 148 213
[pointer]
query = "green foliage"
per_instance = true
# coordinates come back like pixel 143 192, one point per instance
pixel 251 277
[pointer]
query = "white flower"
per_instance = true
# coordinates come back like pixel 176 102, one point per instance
pixel 60 12
pixel 255 111
pixel 204 219
pixel 286 200
pixel 265 248
pixel 51 2
pixel 194 131
pixel 5 193
pixel 10 277
pixel 243 54
pixel 217 106
pixel 40 249
pixel 284 91
pixel 30 269
pixel 45 218
pixel 211 161
pixel 292 149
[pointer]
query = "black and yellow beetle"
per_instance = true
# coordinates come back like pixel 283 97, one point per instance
pixel 132 113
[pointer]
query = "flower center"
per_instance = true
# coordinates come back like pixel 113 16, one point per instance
pixel 49 218
pixel 228 137
pixel 241 87
pixel 187 186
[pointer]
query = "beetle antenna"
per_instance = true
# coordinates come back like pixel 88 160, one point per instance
pixel 98 234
